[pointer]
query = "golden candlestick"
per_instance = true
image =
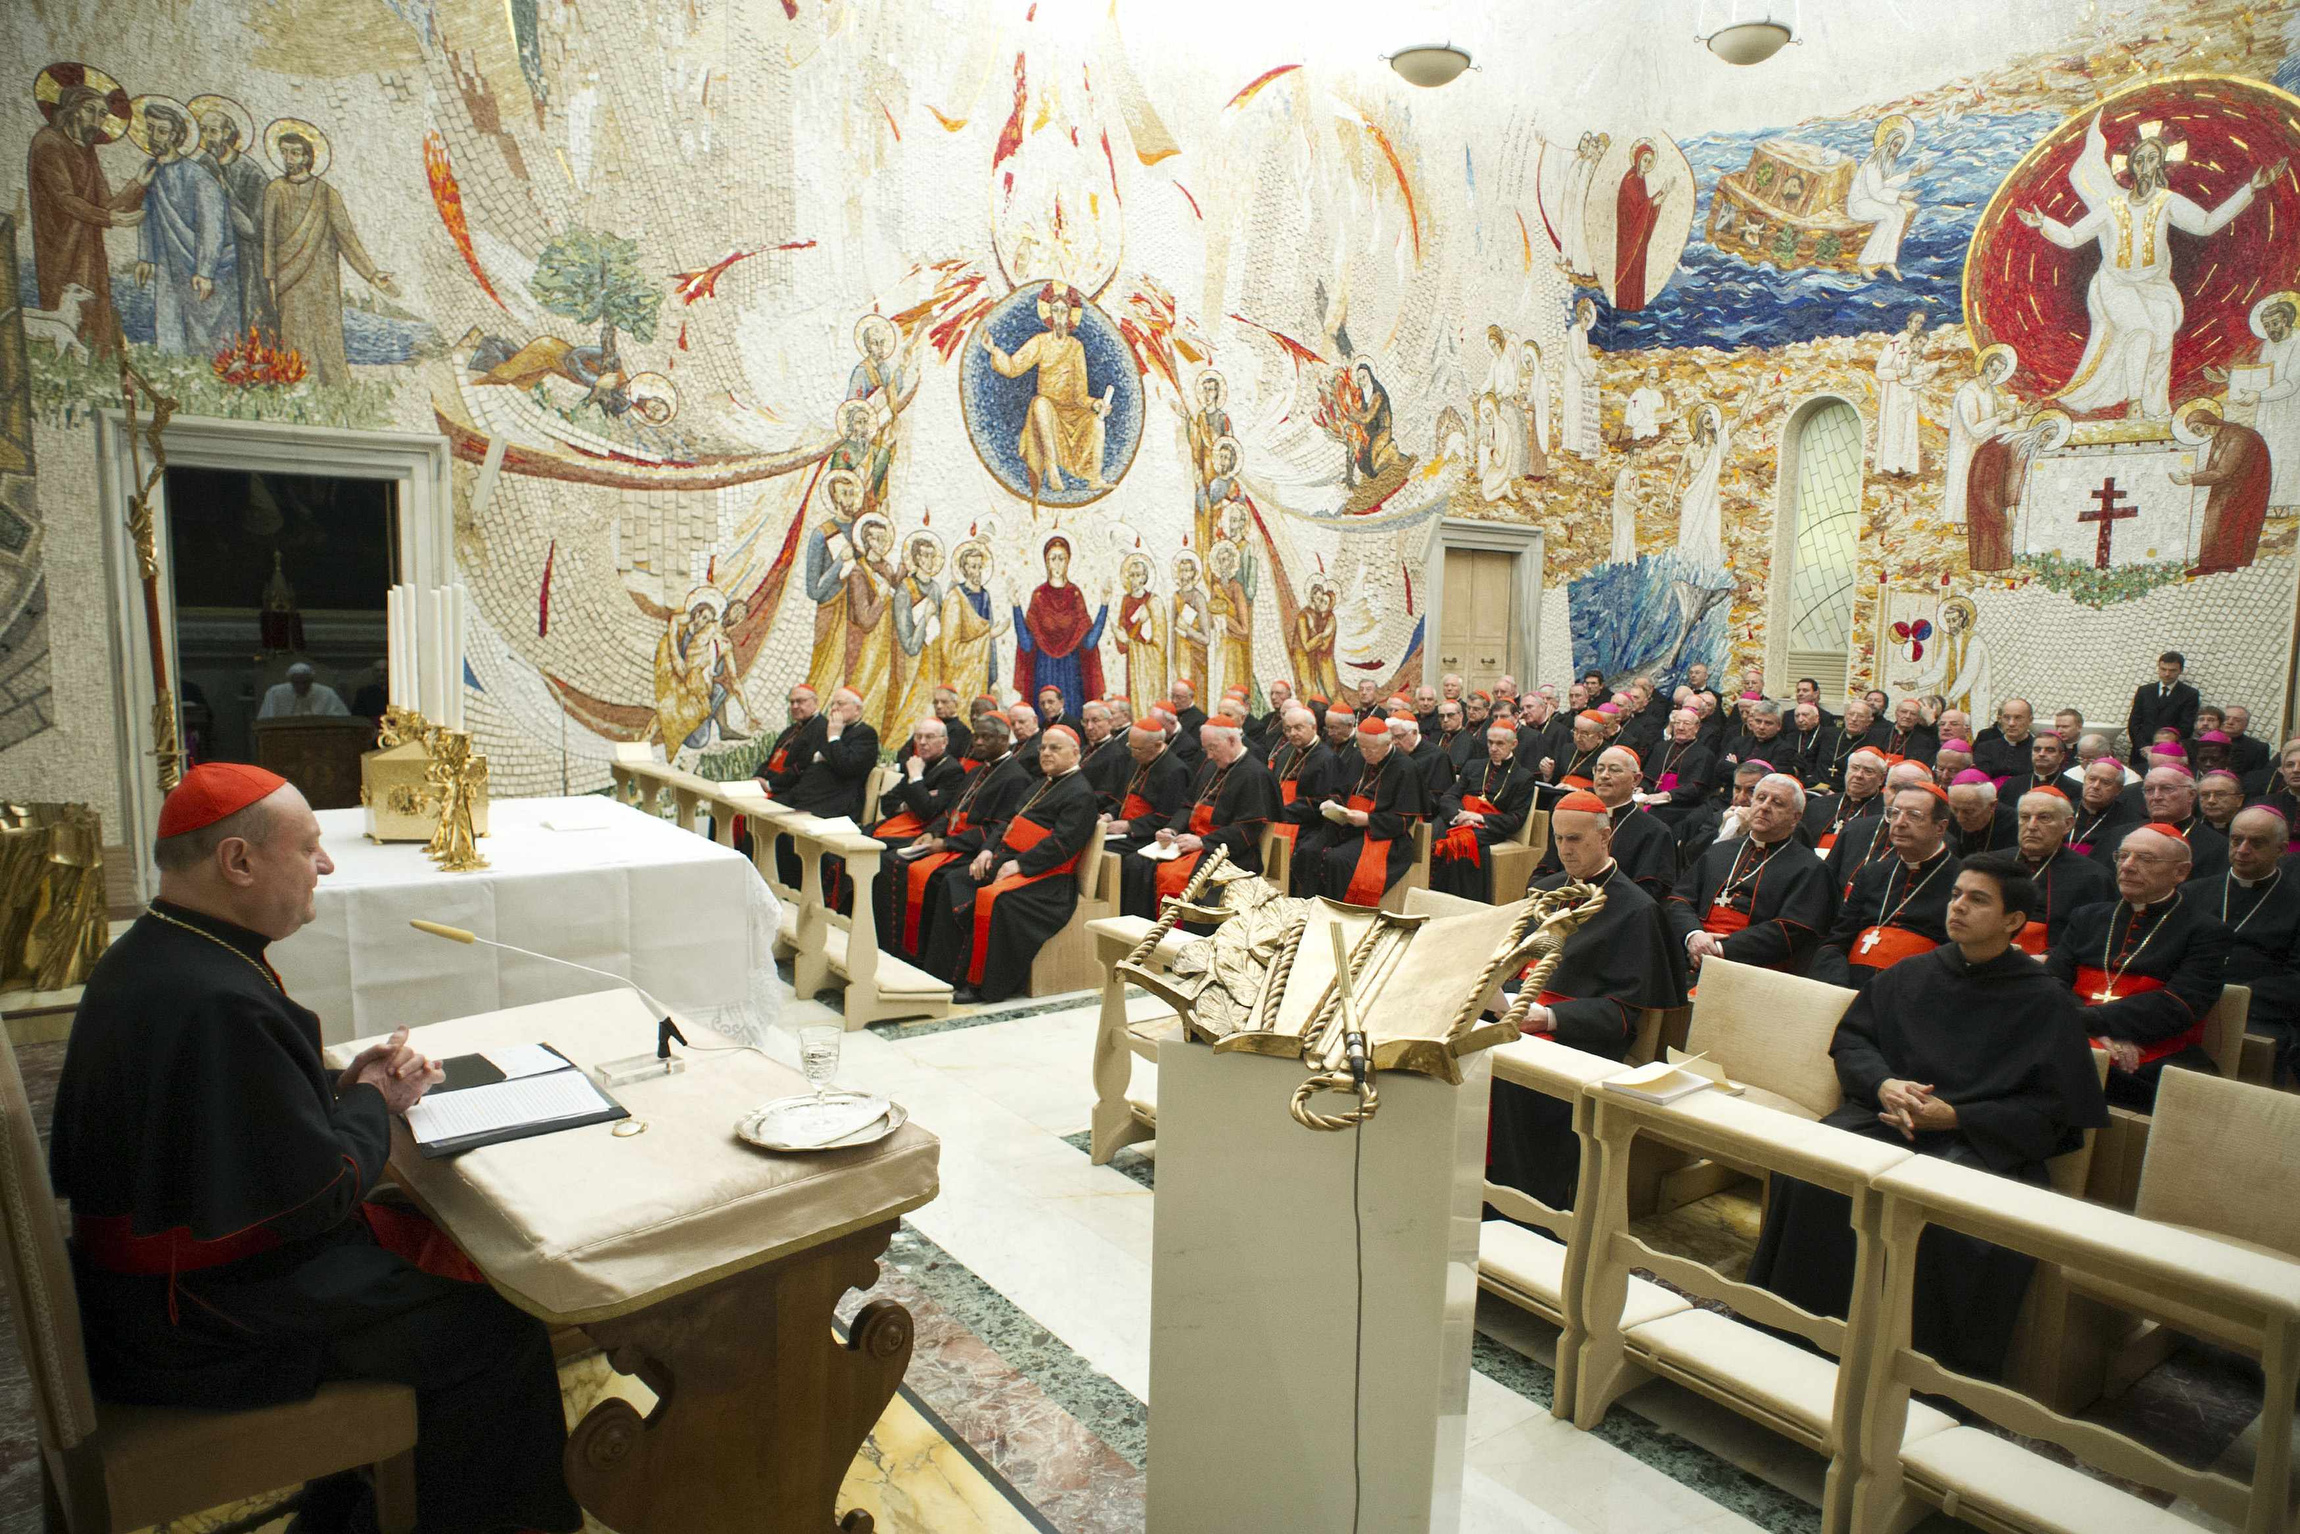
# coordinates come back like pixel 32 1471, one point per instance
pixel 455 783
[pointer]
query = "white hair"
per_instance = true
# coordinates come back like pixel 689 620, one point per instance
pixel 929 720
pixel 1871 752
pixel 2057 803
pixel 1401 728
pixel 1987 791
pixel 1211 730
pixel 1289 715
pixel 1796 789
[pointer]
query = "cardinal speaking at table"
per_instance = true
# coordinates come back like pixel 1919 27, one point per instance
pixel 1020 889
pixel 224 1255
pixel 1232 798
pixel 1615 966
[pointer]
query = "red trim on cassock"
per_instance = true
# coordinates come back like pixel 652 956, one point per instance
pixel 1892 945
pixel 1372 875
pixel 1021 836
pixel 2090 982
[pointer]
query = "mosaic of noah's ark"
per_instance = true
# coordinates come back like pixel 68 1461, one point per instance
pixel 1024 363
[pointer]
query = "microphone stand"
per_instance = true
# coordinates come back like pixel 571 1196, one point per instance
pixel 613 1072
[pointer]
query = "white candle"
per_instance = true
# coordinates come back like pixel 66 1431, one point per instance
pixel 434 642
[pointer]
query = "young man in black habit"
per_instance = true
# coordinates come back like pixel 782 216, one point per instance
pixel 1972 1052
pixel 1618 964
pixel 217 1172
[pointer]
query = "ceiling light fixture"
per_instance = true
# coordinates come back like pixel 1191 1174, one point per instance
pixel 1431 65
pixel 1749 40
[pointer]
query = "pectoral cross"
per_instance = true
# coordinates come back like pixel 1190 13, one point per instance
pixel 1871 939
pixel 2105 993
pixel 2107 514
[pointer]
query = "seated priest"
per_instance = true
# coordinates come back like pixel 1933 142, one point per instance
pixel 2170 794
pixel 1761 898
pixel 1053 710
pixel 1573 770
pixel 2219 795
pixel 2279 788
pixel 909 894
pixel 217 1171
pixel 2262 914
pixel 930 782
pixel 789 753
pixel 827 772
pixel 1897 905
pixel 1374 823
pixel 1713 822
pixel 1759 737
pixel 1018 891
pixel 2004 750
pixel 1232 797
pixel 1104 758
pixel 1827 815
pixel 1676 777
pixel 1824 767
pixel 2065 881
pixel 1617 965
pixel 1452 736
pixel 1952 761
pixel 1156 788
pixel 1980 820
pixel 1487 804
pixel 1022 720
pixel 2047 760
pixel 2102 814
pixel 1182 702
pixel 2146 967
pixel 1969 1052
pixel 1865 841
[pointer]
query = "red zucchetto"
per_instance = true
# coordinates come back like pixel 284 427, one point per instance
pixel 213 790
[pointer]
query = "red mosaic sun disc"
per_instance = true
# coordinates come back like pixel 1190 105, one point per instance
pixel 2022 289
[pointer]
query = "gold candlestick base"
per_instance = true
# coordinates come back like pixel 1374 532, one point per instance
pixel 395 782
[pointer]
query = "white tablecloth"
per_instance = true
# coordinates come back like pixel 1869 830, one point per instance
pixel 690 921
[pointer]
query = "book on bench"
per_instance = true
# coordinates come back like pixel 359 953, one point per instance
pixel 511 1093
pixel 1664 1081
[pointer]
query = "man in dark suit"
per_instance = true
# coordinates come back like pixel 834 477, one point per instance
pixel 2167 702
pixel 1809 691
pixel 2246 755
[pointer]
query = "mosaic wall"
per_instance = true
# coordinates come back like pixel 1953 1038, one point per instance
pixel 997 343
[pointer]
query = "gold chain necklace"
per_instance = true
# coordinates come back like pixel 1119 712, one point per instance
pixel 257 965
pixel 2108 987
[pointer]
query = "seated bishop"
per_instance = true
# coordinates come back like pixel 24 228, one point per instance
pixel 2066 881
pixel 1643 844
pixel 1105 761
pixel 1827 816
pixel 225 1250
pixel 1898 904
pixel 2147 967
pixel 2258 900
pixel 2102 813
pixel 1485 805
pixel 1018 891
pixel 1677 771
pixel 1614 968
pixel 1971 1052
pixel 930 781
pixel 1232 797
pixel 1152 793
pixel 1759 898
pixel 1373 842
pixel 1980 820
pixel 1307 774
pixel 909 892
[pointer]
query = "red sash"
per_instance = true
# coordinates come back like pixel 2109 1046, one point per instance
pixel 2031 939
pixel 914 889
pixel 1884 947
pixel 1286 829
pixel 2091 982
pixel 1461 841
pixel 1133 809
pixel 1172 875
pixel 107 1242
pixel 1576 780
pixel 1828 840
pixel 1372 875
pixel 1724 921
pixel 905 824
pixel 1021 836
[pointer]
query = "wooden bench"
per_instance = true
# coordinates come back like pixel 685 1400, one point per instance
pixel 2124 1143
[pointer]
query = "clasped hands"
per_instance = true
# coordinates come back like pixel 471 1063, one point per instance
pixel 1910 1106
pixel 400 1074
pixel 986 860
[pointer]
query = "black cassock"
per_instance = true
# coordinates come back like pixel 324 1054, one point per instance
pixel 1107 767
pixel 825 777
pixel 1829 818
pixel 1228 807
pixel 2001 1043
pixel 222 1257
pixel 2263 922
pixel 910 894
pixel 1395 792
pixel 1999 833
pixel 1894 913
pixel 1769 905
pixel 1618 964
pixel 1681 770
pixel 2097 833
pixel 1306 777
pixel 2160 971
pixel 2067 883
pixel 1644 846
pixel 1147 798
pixel 906 810
pixel 988 930
pixel 1458 861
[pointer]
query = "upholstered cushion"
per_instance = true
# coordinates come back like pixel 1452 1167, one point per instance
pixel 2213 1145
pixel 1780 1378
pixel 2028 1490
pixel 160 1463
pixel 1524 1262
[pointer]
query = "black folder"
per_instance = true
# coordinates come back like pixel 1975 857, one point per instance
pixel 464 1072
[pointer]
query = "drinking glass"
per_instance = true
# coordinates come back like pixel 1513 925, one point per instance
pixel 819 1055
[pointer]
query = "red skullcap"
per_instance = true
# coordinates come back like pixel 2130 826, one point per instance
pixel 1149 724
pixel 1065 731
pixel 1375 727
pixel 1234 692
pixel 1583 802
pixel 213 790
pixel 2047 788
pixel 2161 829
pixel 1483 696
pixel 1929 787
pixel 1590 716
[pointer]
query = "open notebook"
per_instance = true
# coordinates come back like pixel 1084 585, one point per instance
pixel 504 1094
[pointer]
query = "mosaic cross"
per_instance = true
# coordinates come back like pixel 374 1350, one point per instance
pixel 2108 513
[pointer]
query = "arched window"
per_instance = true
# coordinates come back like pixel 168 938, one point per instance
pixel 1823 560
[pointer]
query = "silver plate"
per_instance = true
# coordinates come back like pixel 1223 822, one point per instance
pixel 753 1128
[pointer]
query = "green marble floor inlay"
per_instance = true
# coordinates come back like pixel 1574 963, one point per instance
pixel 976 1017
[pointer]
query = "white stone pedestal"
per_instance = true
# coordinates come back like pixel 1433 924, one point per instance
pixel 1254 1301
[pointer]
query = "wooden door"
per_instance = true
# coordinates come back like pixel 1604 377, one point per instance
pixel 1480 636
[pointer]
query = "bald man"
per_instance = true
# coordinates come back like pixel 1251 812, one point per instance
pixel 1616 966
pixel 2003 749
pixel 1022 720
pixel 1898 906
pixel 1374 824
pixel 1825 767
pixel 2147 966
pixel 930 781
pixel 1760 898
pixel 2066 880
pixel 2258 900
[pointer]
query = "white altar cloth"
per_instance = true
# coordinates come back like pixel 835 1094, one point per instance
pixel 690 921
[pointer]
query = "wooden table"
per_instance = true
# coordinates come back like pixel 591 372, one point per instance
pixel 707 1269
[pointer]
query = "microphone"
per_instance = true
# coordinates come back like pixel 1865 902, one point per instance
pixel 614 1072
pixel 1353 1034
